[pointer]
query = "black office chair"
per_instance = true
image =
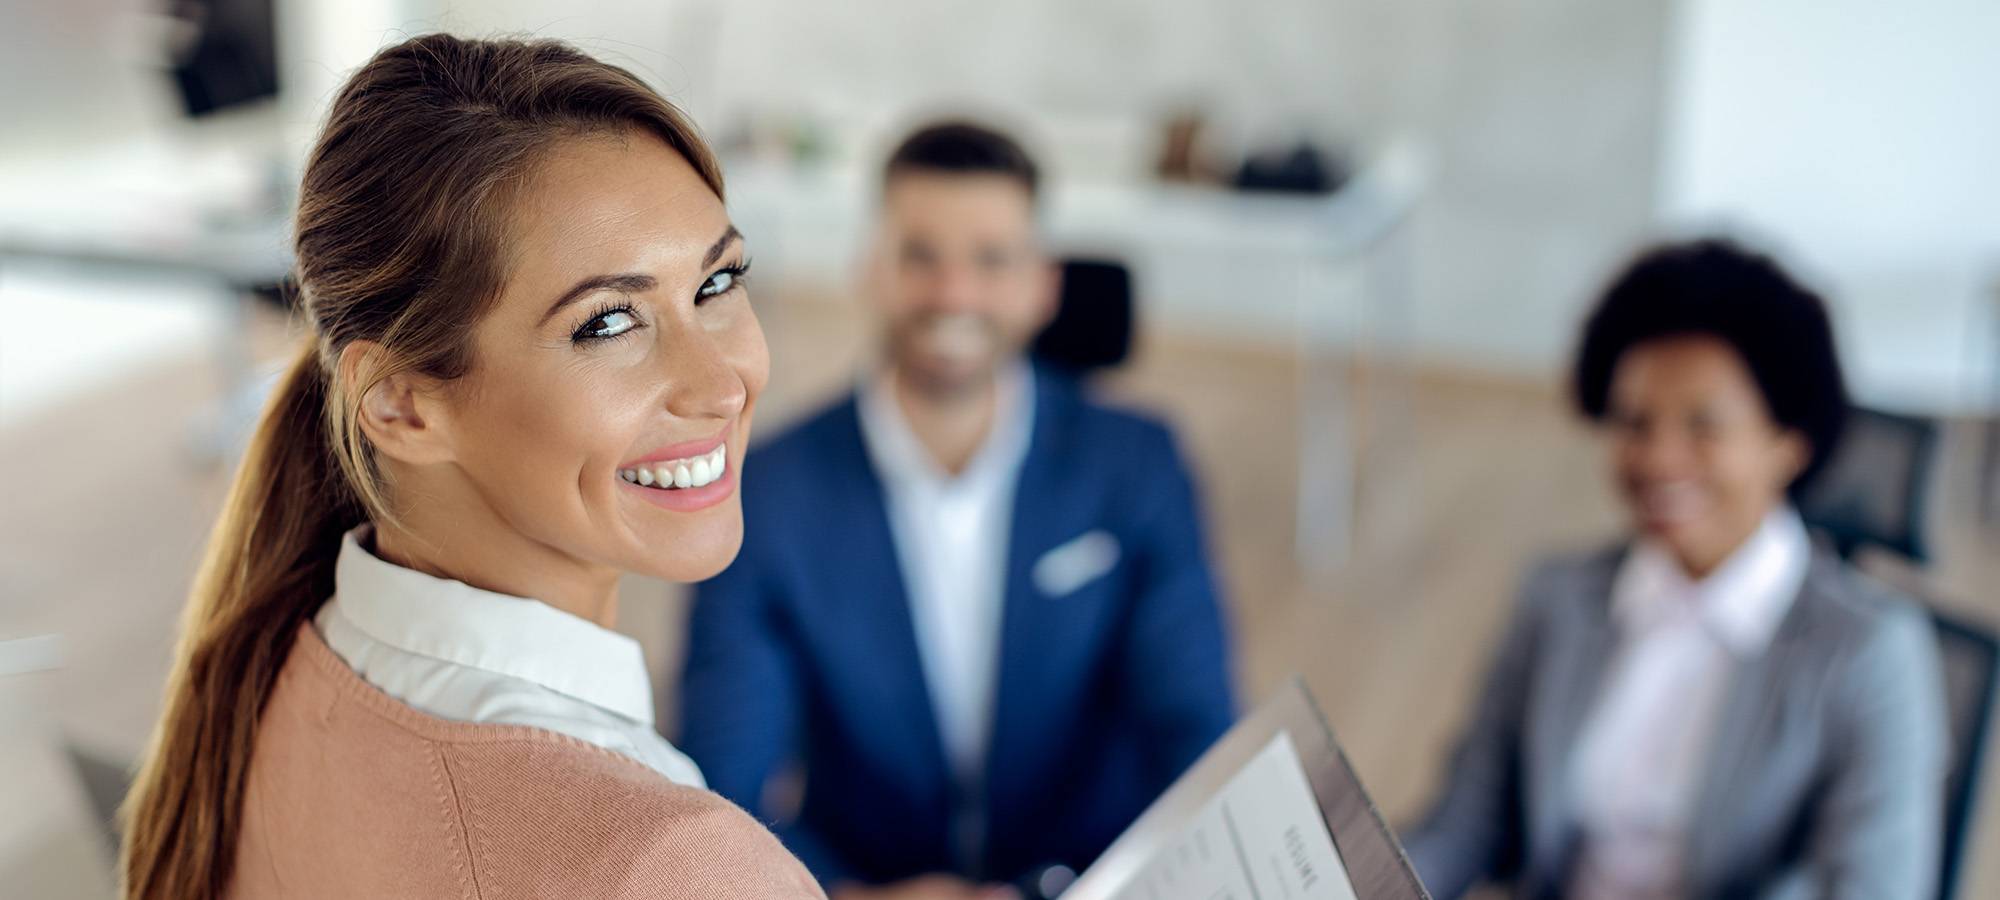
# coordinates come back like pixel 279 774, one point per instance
pixel 1971 657
pixel 1876 490
pixel 1093 324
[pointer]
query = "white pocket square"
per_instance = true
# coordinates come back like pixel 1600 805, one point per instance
pixel 1076 562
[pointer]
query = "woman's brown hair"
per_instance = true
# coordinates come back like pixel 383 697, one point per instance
pixel 401 240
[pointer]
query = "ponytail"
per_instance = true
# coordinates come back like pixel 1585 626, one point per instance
pixel 268 567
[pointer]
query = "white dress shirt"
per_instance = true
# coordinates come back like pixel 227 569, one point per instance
pixel 457 652
pixel 1640 759
pixel 951 537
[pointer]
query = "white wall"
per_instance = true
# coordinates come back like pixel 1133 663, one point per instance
pixel 321 41
pixel 1863 140
pixel 74 70
pixel 636 34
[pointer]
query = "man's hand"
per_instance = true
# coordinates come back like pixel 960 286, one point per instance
pixel 935 886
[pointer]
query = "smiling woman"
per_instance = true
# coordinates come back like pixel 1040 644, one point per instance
pixel 396 675
pixel 1712 705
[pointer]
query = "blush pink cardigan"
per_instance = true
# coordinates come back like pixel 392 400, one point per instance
pixel 353 794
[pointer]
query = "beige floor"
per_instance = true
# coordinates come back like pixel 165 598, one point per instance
pixel 103 513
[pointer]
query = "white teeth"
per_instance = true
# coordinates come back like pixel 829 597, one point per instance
pixel 698 471
pixel 958 335
pixel 713 462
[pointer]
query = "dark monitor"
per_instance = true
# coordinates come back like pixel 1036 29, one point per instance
pixel 225 53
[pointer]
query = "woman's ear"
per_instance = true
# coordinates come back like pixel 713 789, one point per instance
pixel 1794 454
pixel 404 415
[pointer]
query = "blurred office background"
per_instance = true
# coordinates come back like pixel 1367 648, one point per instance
pixel 1369 378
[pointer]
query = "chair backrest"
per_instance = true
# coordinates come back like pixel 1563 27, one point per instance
pixel 1875 487
pixel 1971 655
pixel 1876 490
pixel 1093 324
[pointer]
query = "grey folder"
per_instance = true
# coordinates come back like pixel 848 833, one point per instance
pixel 1277 789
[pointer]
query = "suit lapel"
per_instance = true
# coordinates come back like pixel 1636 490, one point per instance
pixel 1561 702
pixel 879 642
pixel 1022 689
pixel 1742 734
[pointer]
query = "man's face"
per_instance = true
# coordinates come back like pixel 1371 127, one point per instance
pixel 959 276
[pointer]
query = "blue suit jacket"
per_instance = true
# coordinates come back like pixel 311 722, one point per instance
pixel 804 650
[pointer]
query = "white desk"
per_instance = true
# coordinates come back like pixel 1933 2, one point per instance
pixel 216 205
pixel 206 211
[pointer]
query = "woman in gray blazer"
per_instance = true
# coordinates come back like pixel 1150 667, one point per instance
pixel 1713 707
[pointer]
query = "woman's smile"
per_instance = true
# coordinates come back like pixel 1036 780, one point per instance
pixel 683 477
pixel 1666 505
pixel 679 474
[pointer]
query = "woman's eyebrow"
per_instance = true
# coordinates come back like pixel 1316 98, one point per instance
pixel 722 243
pixel 634 283
pixel 631 283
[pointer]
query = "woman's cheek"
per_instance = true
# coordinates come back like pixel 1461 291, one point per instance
pixel 747 353
pixel 609 414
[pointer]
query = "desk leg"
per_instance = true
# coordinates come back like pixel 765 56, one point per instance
pixel 1324 533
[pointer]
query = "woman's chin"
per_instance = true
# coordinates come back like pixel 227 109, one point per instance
pixel 693 553
pixel 1676 532
pixel 1685 538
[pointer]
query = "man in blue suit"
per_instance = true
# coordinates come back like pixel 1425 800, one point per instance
pixel 973 607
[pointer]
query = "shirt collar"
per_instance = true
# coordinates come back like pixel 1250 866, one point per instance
pixel 458 623
pixel 1741 602
pixel 902 460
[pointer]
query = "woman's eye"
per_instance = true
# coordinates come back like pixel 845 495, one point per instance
pixel 724 281
pixel 719 283
pixel 609 325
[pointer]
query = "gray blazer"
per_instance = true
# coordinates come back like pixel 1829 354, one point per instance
pixel 1826 779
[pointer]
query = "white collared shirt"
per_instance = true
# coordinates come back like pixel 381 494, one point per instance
pixel 951 536
pixel 457 652
pixel 1639 762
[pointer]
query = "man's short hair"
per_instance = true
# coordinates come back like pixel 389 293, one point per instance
pixel 962 148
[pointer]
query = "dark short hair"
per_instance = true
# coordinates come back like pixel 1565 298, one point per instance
pixel 962 148
pixel 1716 288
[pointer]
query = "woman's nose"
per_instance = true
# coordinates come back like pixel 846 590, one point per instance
pixel 701 384
pixel 1663 453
